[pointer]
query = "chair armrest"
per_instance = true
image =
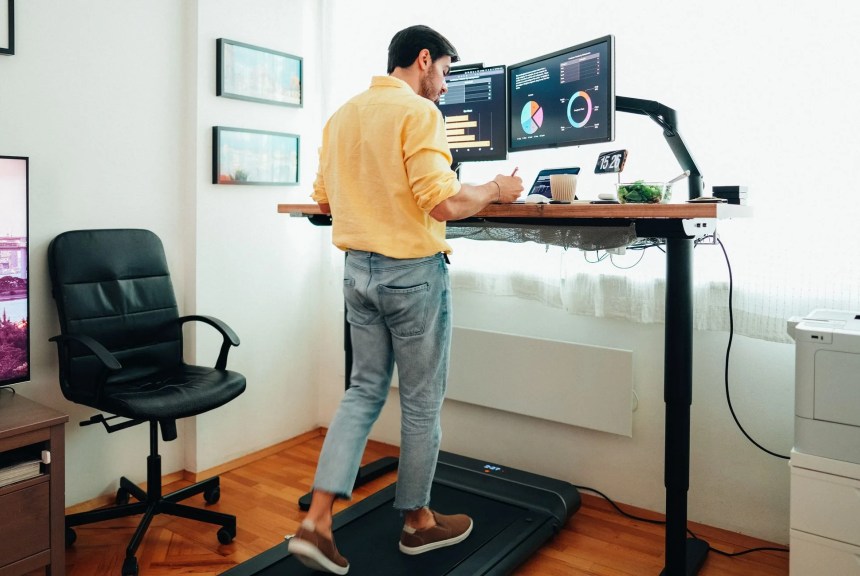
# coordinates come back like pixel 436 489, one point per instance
pixel 90 394
pixel 103 354
pixel 230 337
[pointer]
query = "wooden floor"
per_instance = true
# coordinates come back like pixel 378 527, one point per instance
pixel 263 494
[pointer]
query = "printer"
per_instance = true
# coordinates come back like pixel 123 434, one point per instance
pixel 827 384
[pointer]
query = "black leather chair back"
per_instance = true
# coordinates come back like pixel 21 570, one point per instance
pixel 127 304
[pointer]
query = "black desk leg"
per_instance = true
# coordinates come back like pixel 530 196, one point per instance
pixel 683 557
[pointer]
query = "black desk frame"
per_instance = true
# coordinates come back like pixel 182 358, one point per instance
pixel 684 557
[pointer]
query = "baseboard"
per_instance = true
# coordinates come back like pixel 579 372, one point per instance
pixel 254 456
pixel 109 499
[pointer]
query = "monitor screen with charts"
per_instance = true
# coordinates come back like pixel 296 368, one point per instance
pixel 566 98
pixel 475 113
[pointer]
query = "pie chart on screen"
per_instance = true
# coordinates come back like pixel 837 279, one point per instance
pixel 531 117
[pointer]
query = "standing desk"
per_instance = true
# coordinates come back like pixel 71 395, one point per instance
pixel 679 225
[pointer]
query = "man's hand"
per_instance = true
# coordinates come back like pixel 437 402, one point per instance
pixel 472 199
pixel 510 188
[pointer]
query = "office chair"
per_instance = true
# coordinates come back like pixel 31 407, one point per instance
pixel 120 352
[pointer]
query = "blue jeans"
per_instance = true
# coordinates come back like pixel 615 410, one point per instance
pixel 399 311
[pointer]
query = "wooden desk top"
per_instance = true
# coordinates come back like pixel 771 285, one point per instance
pixel 583 210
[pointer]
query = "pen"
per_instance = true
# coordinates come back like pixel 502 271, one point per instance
pixel 514 173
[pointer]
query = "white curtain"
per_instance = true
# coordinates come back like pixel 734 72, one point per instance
pixel 768 286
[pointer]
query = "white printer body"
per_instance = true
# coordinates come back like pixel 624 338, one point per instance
pixel 827 387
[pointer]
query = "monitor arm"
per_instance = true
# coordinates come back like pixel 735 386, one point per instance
pixel 666 118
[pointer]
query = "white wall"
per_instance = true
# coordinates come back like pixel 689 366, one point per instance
pixel 96 97
pixel 732 484
pixel 114 104
pixel 253 269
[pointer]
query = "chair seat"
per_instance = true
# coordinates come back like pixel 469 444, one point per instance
pixel 180 392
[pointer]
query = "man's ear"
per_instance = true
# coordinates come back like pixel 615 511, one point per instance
pixel 424 60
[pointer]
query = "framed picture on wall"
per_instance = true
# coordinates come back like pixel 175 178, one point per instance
pixel 7 26
pixel 258 74
pixel 254 157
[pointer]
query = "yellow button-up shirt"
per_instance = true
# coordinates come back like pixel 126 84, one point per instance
pixel 384 165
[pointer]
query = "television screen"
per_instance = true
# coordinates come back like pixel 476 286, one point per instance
pixel 475 113
pixel 566 98
pixel 14 302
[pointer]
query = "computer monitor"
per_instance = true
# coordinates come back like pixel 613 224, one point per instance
pixel 566 98
pixel 475 113
pixel 14 270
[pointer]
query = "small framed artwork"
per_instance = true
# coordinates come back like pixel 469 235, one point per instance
pixel 258 74
pixel 7 26
pixel 254 157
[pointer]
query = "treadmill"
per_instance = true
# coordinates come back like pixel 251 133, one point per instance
pixel 514 514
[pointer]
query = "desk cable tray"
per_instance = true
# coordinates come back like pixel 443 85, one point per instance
pixel 582 237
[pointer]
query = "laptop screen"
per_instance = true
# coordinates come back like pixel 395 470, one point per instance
pixel 541 184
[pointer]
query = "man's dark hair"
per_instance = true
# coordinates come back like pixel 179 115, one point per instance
pixel 407 43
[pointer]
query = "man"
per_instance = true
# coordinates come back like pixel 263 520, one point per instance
pixel 385 177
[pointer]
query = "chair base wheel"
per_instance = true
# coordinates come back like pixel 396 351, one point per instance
pixel 225 536
pixel 212 495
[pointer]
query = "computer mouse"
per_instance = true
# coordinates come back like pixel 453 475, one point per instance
pixel 536 199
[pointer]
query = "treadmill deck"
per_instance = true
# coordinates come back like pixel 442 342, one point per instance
pixel 514 514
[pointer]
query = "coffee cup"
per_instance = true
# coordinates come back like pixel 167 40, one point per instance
pixel 562 187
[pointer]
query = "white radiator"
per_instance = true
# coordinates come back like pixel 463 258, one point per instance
pixel 587 386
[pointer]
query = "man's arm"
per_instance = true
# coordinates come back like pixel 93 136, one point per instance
pixel 471 198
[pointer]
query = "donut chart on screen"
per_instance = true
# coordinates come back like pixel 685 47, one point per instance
pixel 574 98
pixel 531 117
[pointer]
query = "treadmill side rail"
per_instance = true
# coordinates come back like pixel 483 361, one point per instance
pixel 557 497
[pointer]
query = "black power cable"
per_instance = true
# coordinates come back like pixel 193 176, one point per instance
pixel 728 356
pixel 690 532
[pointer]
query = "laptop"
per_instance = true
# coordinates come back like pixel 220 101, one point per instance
pixel 541 184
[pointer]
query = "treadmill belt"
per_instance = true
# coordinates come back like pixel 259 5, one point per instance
pixel 368 532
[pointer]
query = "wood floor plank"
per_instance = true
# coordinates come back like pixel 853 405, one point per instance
pixel 263 494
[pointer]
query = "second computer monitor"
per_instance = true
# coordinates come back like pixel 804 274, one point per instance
pixel 475 113
pixel 565 98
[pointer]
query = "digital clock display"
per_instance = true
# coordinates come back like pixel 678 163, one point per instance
pixel 611 162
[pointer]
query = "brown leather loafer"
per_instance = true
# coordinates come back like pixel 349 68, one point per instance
pixel 449 530
pixel 317 551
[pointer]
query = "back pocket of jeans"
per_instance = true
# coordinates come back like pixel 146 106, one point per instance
pixel 405 309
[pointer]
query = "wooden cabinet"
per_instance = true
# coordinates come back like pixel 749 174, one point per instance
pixel 32 531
